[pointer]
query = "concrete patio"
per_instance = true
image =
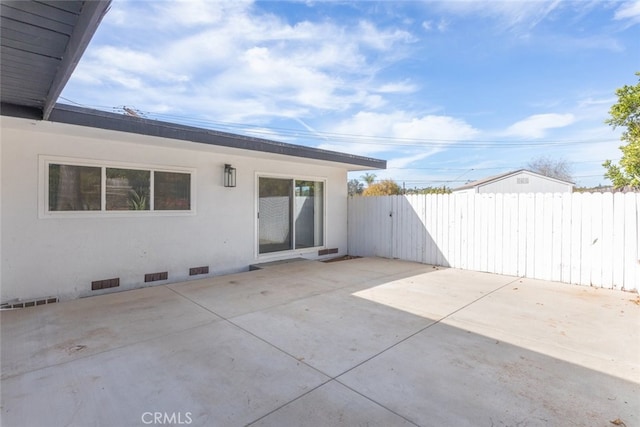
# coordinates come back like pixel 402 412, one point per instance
pixel 361 342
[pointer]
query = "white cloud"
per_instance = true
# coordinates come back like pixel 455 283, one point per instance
pixel 126 67
pixel 406 125
pixel 628 10
pixel 191 13
pixel 234 62
pixel 442 25
pixel 536 126
pixel 367 133
pixel 508 14
pixel 382 40
pixel 443 128
pixel 589 101
pixel 402 162
pixel 397 87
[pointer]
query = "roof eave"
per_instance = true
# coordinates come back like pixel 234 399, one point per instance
pixel 80 116
pixel 88 22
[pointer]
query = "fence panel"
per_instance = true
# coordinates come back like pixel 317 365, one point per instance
pixel 631 267
pixel 587 239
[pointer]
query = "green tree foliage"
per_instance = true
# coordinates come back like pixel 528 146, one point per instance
pixel 626 113
pixel 355 187
pixel 429 190
pixel 386 187
pixel 369 178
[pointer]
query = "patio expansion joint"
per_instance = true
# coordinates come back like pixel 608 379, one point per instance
pixel 336 377
pixel 231 322
pixel 435 322
pixel 322 385
pixel 328 380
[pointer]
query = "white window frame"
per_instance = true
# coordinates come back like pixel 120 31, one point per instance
pixel 43 188
pixel 256 198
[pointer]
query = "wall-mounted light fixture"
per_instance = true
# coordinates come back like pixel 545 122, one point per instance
pixel 229 176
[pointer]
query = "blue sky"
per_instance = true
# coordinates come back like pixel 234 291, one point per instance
pixel 444 91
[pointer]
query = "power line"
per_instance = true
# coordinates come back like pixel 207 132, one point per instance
pixel 334 137
pixel 491 168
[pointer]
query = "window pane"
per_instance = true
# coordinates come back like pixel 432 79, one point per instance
pixel 309 214
pixel 127 189
pixel 172 191
pixel 74 188
pixel 275 215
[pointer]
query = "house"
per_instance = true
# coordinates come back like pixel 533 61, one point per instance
pixel 95 202
pixel 520 181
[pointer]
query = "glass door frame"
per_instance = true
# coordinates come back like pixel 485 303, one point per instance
pixel 256 198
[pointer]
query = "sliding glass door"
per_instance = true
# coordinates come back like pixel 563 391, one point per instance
pixel 274 215
pixel 290 214
pixel 309 207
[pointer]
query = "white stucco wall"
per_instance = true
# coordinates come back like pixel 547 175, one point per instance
pixel 45 256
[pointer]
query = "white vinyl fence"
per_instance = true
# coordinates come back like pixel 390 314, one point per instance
pixel 582 238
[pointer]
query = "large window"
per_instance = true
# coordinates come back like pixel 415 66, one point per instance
pixel 172 191
pixel 76 188
pixel 128 189
pixel 291 214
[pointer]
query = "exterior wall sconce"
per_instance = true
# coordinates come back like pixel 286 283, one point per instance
pixel 229 176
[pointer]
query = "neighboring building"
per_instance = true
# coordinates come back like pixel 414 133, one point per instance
pixel 94 202
pixel 520 181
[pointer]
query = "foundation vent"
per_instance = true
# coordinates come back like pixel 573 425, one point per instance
pixel 198 270
pixel 28 303
pixel 104 284
pixel 328 251
pixel 153 277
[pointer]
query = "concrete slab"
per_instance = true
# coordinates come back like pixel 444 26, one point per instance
pixel 358 342
pixel 431 294
pixel 332 404
pixel 577 324
pixel 448 376
pixel 237 294
pixel 280 283
pixel 332 332
pixel 352 271
pixel 51 334
pixel 214 374
pixel 365 269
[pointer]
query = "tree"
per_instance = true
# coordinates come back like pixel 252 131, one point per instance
pixel 386 187
pixel 369 178
pixel 434 190
pixel 553 168
pixel 355 187
pixel 626 113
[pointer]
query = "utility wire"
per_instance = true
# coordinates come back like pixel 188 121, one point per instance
pixel 334 137
pixel 491 168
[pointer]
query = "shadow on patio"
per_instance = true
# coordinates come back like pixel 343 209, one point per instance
pixel 366 341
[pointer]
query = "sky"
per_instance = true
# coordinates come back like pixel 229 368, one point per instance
pixel 446 92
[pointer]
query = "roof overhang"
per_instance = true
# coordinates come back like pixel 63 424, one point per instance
pixel 96 119
pixel 41 44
